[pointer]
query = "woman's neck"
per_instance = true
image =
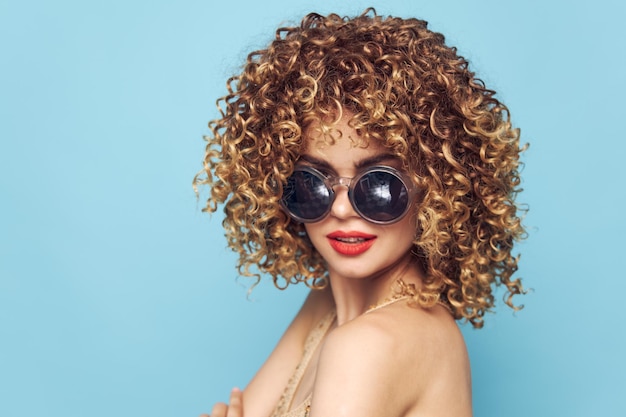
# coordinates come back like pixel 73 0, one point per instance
pixel 354 296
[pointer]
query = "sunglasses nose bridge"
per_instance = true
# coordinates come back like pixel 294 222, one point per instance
pixel 339 181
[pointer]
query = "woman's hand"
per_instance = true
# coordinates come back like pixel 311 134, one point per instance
pixel 233 409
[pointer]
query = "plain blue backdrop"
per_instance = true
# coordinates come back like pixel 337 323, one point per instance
pixel 117 295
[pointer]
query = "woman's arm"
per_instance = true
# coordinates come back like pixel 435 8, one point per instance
pixel 263 392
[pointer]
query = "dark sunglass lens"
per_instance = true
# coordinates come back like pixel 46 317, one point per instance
pixel 381 196
pixel 306 196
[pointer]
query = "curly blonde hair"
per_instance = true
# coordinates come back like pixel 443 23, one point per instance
pixel 413 94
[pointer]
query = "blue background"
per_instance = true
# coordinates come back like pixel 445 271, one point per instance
pixel 117 296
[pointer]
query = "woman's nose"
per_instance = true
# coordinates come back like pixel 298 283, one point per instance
pixel 342 207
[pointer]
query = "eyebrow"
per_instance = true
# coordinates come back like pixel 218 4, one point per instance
pixel 373 160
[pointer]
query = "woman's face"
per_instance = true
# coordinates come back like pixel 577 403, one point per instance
pixel 352 246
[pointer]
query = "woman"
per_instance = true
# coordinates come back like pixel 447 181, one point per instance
pixel 362 157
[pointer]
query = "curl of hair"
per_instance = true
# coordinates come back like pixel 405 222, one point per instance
pixel 407 90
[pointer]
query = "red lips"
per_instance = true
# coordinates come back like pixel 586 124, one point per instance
pixel 350 243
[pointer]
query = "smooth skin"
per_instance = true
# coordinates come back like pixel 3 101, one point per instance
pixel 398 360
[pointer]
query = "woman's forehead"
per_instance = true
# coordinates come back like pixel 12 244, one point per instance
pixel 343 153
pixel 336 141
pixel 321 132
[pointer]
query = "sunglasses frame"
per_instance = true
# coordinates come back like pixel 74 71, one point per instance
pixel 331 181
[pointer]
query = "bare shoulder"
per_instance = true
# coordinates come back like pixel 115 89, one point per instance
pixel 396 361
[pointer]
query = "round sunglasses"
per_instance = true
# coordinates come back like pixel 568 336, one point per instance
pixel 380 194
